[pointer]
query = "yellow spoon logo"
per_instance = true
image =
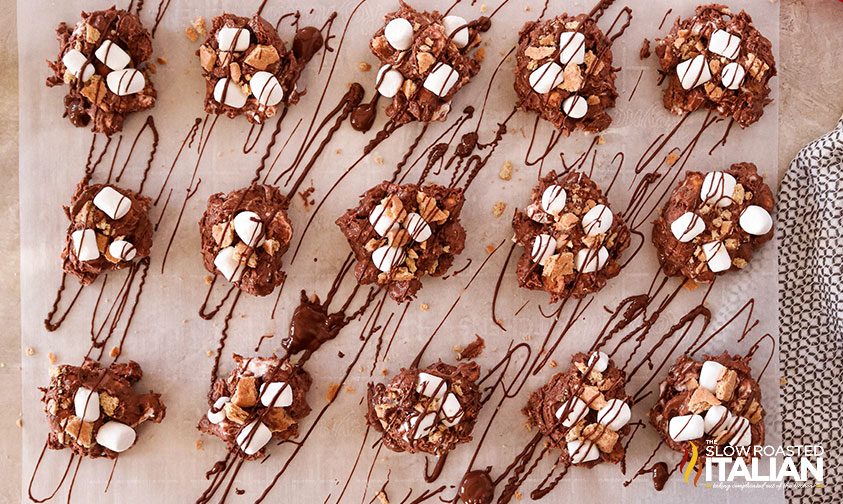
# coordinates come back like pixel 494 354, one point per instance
pixel 689 468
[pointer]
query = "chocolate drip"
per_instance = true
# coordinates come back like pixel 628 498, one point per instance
pixel 311 326
pixel 306 43
pixel 477 487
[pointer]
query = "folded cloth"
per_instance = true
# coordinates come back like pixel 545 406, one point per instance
pixel 810 244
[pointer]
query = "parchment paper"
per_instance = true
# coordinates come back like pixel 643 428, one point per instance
pixel 171 342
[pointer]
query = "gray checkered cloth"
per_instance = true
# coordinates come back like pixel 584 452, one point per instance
pixel 810 232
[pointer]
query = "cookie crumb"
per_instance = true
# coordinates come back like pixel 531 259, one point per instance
pixel 424 307
pixel 364 67
pixel 19 422
pixel 115 351
pixel 198 444
pixel 506 171
pixel 191 34
pixel 30 351
pixel 52 357
pixel 331 394
pixel 498 208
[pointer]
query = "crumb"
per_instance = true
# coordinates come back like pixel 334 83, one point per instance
pixel 338 151
pixel 506 171
pixel 52 357
pixel 350 389
pixel 483 8
pixel 209 353
pixel 340 355
pixel 498 208
pixel 378 160
pixel 30 351
pixel 364 67
pixel 161 61
pixel 115 351
pixel 382 498
pixel 199 26
pixel 472 350
pixel 198 444
pixel 424 307
pixel 518 495
pixel 331 394
pixel 490 249
pixel 672 157
pixel 782 381
pixel 644 53
pixel 385 372
pixel 152 68
pixel 191 34
pixel 208 279
pixel 600 140
pixel 528 337
pixel 552 363
pixel 305 196
pixel 691 285
pixel 19 422
pixel 480 54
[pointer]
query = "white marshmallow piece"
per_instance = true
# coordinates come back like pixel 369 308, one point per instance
pixel 582 451
pixel 217 414
pixel 718 188
pixel 546 77
pixel 686 427
pixel 740 432
pixel 710 372
pixel 544 246
pixel 252 443
pixel 249 228
pixel 589 260
pixel 451 24
pixel 281 390
pixel 575 107
pixel 266 89
pixel 716 417
pixel 229 93
pixel 598 220
pixel 687 227
pixel 572 45
pixel 123 250
pixel 112 202
pixel 602 361
pixel 380 221
pixel 755 220
pixel 431 385
pixel 425 425
pixel 717 256
pixel 732 75
pixel 125 82
pixel 385 258
pixel 614 415
pixel 86 404
pixel 399 34
pixel 417 227
pixel 553 199
pixel 227 264
pixel 725 44
pixel 232 39
pixel 85 244
pixel 389 81
pixel 451 411
pixel 693 72
pixel 74 61
pixel 116 436
pixel 577 410
pixel 113 56
pixel 441 79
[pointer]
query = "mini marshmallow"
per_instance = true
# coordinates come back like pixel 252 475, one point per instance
pixel 451 411
pixel 441 79
pixel 717 188
pixel 602 363
pixel 217 414
pixel 399 34
pixel 86 404
pixel 431 385
pixel 686 427
pixel 123 250
pixel 693 72
pixel 717 256
pixel 544 246
pixel 249 228
pixel 589 261
pixel 725 44
pixel 112 202
pixel 229 93
pixel 385 257
pixel 380 221
pixel 575 107
pixel 252 443
pixel 232 39
pixel 74 61
pixel 716 417
pixel 732 75
pixel 125 82
pixel 266 88
pixel 687 227
pixel 85 244
pixel 116 436
pixel 582 451
pixel 553 199
pixel 598 220
pixel 739 431
pixel 281 390
pixel 451 24
pixel 755 220
pixel 389 81
pixel 546 77
pixel 417 227
pixel 614 415
pixel 710 372
pixel 227 264
pixel 112 55
pixel 577 410
pixel 425 425
pixel 572 46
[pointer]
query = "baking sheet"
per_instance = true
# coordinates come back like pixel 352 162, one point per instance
pixel 171 342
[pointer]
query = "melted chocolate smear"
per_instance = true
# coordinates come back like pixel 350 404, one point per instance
pixel 363 116
pixel 477 487
pixel 660 475
pixel 311 326
pixel 307 42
